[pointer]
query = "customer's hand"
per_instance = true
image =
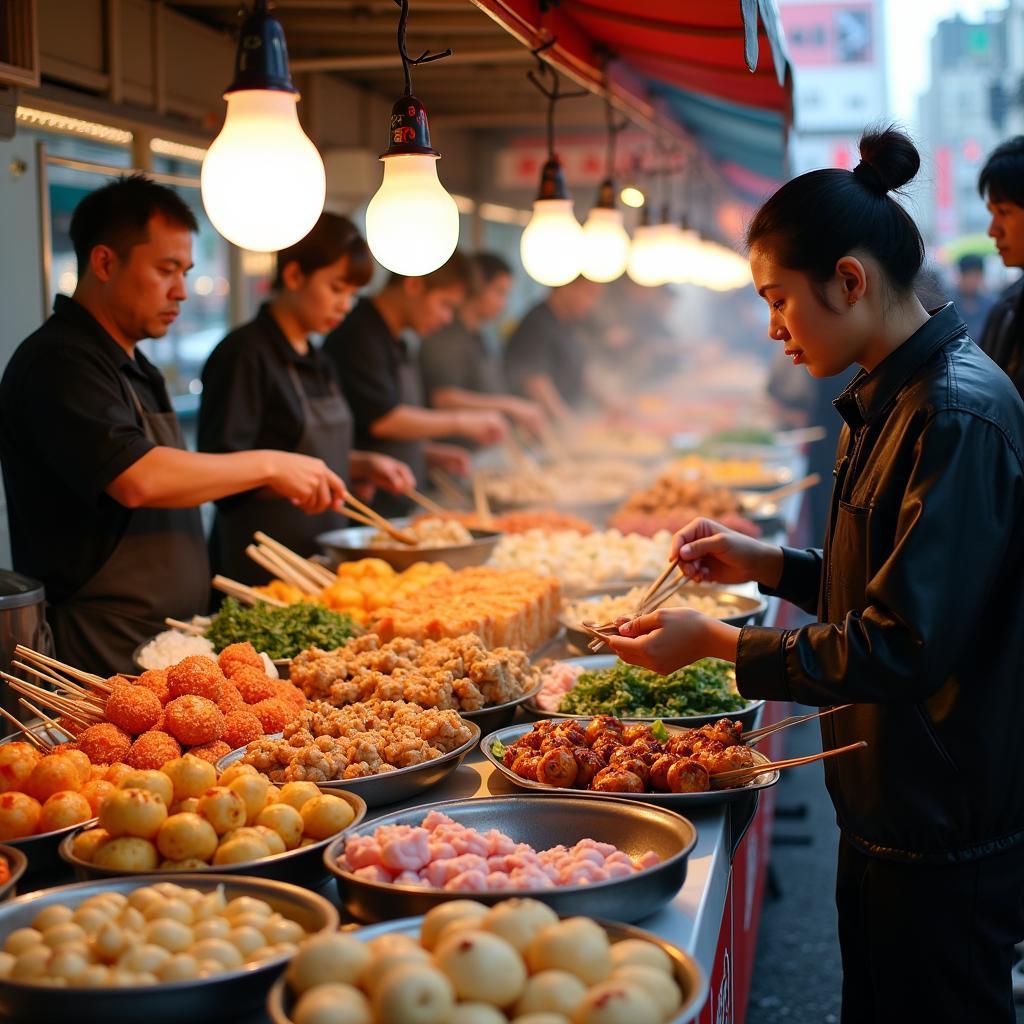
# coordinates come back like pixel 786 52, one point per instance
pixel 710 552
pixel 664 640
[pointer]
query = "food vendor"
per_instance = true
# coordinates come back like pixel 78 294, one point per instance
pixel 266 385
pixel 545 359
pixel 380 377
pixel 918 596
pixel 459 371
pixel 102 497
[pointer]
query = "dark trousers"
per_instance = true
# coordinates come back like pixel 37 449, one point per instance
pixel 929 944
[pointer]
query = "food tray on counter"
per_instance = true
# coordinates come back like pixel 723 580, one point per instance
pixel 631 826
pixel 389 787
pixel 353 542
pixel 596 662
pixel 494 716
pixel 677 801
pixel 17 864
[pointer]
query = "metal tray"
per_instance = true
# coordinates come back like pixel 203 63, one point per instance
pixel 595 662
pixel 353 542
pixel 494 716
pixel 238 991
pixel 632 827
pixel 692 980
pixel 391 787
pixel 303 866
pixel 678 801
pixel 17 863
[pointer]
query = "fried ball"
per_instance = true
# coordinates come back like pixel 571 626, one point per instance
pixel 482 967
pixel 17 760
pixel 52 774
pixel 606 746
pixel 325 816
pixel 127 853
pixel 661 987
pixel 183 836
pixel 328 957
pixel 414 992
pixel 551 991
pixel 624 761
pixel 658 777
pixel 133 708
pixel 517 921
pixel 577 945
pixel 526 765
pixel 572 732
pixel 230 699
pixel 285 821
pixel 190 776
pixel 117 771
pixel 241 849
pixel 234 770
pixel 253 791
pixel 334 1004
pixel 236 656
pixel 71 728
pixel 640 952
pixel 253 684
pixel 155 679
pixel 274 714
pixel 588 764
pixel 223 809
pixel 601 725
pixel 19 815
pixel 289 694
pixel 617 780
pixel 211 752
pixel 153 749
pixel 85 844
pixel 557 768
pixel 196 676
pixel 730 759
pixel 688 777
pixel 65 748
pixel 194 720
pixel 151 779
pixel 133 812
pixel 63 810
pixel 241 728
pixel 297 793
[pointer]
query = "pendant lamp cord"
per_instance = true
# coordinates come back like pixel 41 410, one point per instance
pixel 614 127
pixel 408 63
pixel 553 91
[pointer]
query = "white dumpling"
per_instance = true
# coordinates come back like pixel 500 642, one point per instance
pixel 615 1002
pixel 541 1018
pixel 441 916
pixel 477 1013
pixel 333 957
pixel 552 991
pixel 639 951
pixel 657 984
pixel 482 967
pixel 414 994
pixel 517 921
pixel 577 945
pixel 332 1004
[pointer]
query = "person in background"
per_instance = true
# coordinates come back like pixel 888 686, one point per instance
pixel 928 659
pixel 380 377
pixel 266 385
pixel 545 359
pixel 102 496
pixel 1001 185
pixel 973 301
pixel 459 371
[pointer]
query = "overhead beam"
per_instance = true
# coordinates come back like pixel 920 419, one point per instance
pixel 382 61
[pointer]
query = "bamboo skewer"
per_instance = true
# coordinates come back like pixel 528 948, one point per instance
pixel 425 503
pixel 63 706
pixel 76 692
pixel 770 730
pixel 276 566
pixel 50 723
pixel 241 592
pixel 318 573
pixel 480 502
pixel 76 673
pixel 37 741
pixel 801 435
pixel 787 491
pixel 192 628
pixel 744 774
pixel 447 486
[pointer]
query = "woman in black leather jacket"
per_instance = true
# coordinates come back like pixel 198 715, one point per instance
pixel 918 593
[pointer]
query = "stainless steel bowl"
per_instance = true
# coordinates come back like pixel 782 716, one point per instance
pixel 17 863
pixel 692 980
pixel 303 866
pixel 494 716
pixel 679 801
pixel 234 993
pixel 632 827
pixel 596 662
pixel 389 788
pixel 43 851
pixel 354 542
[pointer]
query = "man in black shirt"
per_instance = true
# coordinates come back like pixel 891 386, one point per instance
pixel 380 377
pixel 102 497
pixel 546 355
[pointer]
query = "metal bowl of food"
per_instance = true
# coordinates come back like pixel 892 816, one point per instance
pixel 746 714
pixel 492 747
pixel 633 828
pixel 390 787
pixel 690 977
pixel 357 542
pixel 236 992
pixel 17 864
pixel 494 716
pixel 302 866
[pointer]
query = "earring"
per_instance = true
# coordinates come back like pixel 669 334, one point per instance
pixel 851 302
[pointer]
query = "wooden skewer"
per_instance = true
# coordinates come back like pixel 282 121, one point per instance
pixel 743 774
pixel 449 488
pixel 403 536
pixel 318 573
pixel 266 559
pixel 75 673
pixel 425 503
pixel 51 723
pixel 294 572
pixel 36 741
pixel 66 688
pixel 801 435
pixel 62 705
pixel 774 497
pixel 480 502
pixel 770 730
pixel 243 593
pixel 192 628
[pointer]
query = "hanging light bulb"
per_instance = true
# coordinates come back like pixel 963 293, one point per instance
pixel 262 182
pixel 684 264
pixel 632 197
pixel 646 264
pixel 551 246
pixel 412 223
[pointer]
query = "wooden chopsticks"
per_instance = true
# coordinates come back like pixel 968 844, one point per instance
pixel 769 730
pixel 786 491
pixel 376 519
pixel 426 503
pixel 739 775
pixel 303 573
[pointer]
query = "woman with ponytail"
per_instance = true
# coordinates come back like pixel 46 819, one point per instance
pixel 918 596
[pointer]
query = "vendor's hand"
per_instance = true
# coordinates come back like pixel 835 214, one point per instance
pixel 710 552
pixel 389 474
pixel 481 426
pixel 306 482
pixel 526 414
pixel 450 458
pixel 664 640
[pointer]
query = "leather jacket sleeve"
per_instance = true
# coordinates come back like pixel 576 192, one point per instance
pixel 800 580
pixel 955 526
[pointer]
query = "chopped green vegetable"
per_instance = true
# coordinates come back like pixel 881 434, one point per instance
pixel 498 749
pixel 280 632
pixel 658 731
pixel 705 687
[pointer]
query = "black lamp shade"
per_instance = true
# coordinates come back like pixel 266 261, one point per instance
pixel 261 61
pixel 409 133
pixel 552 181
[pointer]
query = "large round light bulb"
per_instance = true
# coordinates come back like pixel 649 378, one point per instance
pixel 263 182
pixel 684 258
pixel 412 224
pixel 605 245
pixel 646 264
pixel 551 246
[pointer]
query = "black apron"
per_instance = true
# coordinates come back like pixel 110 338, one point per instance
pixel 327 435
pixel 412 453
pixel 158 569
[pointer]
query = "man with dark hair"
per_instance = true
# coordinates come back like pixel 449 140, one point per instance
pixel 380 376
pixel 103 499
pixel 1001 185
pixel 459 370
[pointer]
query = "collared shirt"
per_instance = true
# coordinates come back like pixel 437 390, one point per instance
pixel 457 357
pixel 543 345
pixel 68 428
pixel 367 357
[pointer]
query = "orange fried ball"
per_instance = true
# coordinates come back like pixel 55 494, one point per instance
pixel 230 699
pixel 211 752
pixel 17 760
pixel 197 676
pixel 155 679
pixel 95 791
pixel 133 708
pixel 253 684
pixel 236 656
pixel 274 714
pixel 63 748
pixel 194 720
pixel 69 727
pixel 153 749
pixel 240 728
pixel 104 743
pixel 53 773
pixel 63 810
pixel 19 816
pixel 83 762
pixel 289 694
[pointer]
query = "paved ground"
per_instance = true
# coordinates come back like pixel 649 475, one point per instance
pixel 797 973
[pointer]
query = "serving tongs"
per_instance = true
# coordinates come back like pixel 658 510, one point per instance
pixel 740 776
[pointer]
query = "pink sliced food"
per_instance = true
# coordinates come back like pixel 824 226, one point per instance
pixel 559 679
pixel 442 854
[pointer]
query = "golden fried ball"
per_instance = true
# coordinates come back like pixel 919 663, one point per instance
pixel 241 850
pixel 184 836
pixel 85 844
pixel 253 791
pixel 325 816
pixel 517 921
pixel 189 806
pixel 117 771
pixel 414 992
pixel 127 854
pixel 285 821
pixel 615 1002
pixel 190 776
pixel 133 812
pixel 643 953
pixel 333 1004
pixel 661 987
pixel 233 771
pixel 551 991
pixel 152 779
pixel 222 808
pixel 329 957
pixel 577 945
pixel 297 793
pixel 52 774
pixel 96 791
pixel 17 760
pixel 63 810
pixel 19 815
pixel 439 917
pixel 482 968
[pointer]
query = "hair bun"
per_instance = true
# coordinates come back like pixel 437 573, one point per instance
pixel 888 160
